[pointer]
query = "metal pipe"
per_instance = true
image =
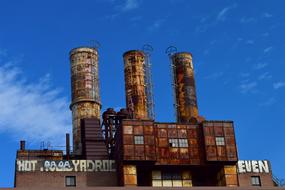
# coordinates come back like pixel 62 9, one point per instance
pixel 67 146
pixel 22 145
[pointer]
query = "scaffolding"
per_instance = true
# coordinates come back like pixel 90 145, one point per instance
pixel 147 49
pixel 170 51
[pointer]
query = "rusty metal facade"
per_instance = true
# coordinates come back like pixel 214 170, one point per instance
pixel 86 101
pixel 174 147
pixel 136 97
pixel 184 87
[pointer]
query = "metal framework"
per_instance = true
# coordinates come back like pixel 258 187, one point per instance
pixel 147 49
pixel 171 50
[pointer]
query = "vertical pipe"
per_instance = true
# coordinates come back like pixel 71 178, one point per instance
pixel 85 90
pixel 136 98
pixel 184 84
pixel 22 145
pixel 67 146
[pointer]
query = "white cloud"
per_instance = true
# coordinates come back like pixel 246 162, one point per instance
pixel 32 111
pixel 248 87
pixel 259 66
pixel 245 75
pixel 214 75
pixel 156 25
pixel 223 13
pixel 250 42
pixel 130 5
pixel 267 15
pixel 265 34
pixel 265 75
pixel 278 85
pixel 245 20
pixel 268 102
pixel 266 50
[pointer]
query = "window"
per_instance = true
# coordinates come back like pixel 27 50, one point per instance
pixel 139 140
pixel 70 181
pixel 255 181
pixel 171 179
pixel 173 142
pixel 178 143
pixel 183 143
pixel 220 141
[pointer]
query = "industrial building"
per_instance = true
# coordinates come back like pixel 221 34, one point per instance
pixel 128 147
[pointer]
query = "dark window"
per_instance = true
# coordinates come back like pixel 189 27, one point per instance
pixel 255 181
pixel 70 181
pixel 139 140
pixel 220 141
pixel 173 143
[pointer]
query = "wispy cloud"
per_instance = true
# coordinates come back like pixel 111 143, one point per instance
pixel 214 75
pixel 267 15
pixel 268 49
pixel 278 85
pixel 268 102
pixel 244 75
pixel 222 15
pixel 264 76
pixel 136 18
pixel 265 34
pixel 248 87
pixel 249 42
pixel 156 25
pixel 119 7
pixel 32 111
pixel 259 66
pixel 245 20
pixel 207 22
pixel 130 5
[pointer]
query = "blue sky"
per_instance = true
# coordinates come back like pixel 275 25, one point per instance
pixel 238 54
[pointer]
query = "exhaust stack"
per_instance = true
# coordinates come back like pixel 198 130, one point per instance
pixel 135 84
pixel 86 101
pixel 184 87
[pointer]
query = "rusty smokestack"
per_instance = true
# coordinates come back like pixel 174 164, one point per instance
pixel 135 85
pixel 184 87
pixel 86 101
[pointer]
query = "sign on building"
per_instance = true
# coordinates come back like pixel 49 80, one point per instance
pixel 66 166
pixel 253 166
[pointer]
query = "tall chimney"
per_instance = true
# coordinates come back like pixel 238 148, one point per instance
pixel 135 84
pixel 86 101
pixel 184 86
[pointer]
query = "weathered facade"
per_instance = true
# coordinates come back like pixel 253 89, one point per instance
pixel 128 148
